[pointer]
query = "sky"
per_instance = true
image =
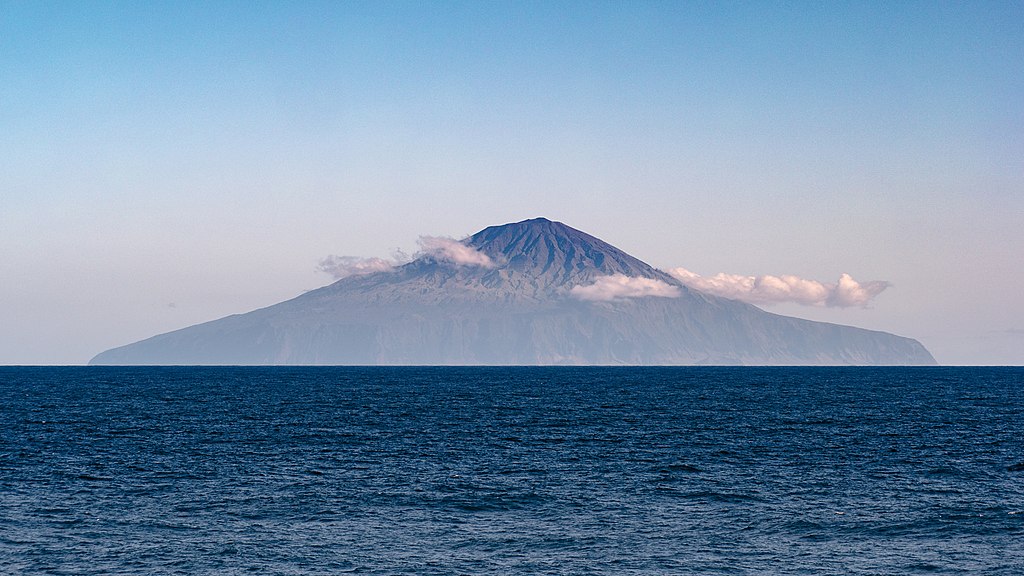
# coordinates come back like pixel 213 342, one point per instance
pixel 168 163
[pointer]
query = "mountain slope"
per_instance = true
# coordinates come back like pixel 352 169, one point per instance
pixel 520 308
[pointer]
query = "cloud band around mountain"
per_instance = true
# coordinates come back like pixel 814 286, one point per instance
pixel 766 289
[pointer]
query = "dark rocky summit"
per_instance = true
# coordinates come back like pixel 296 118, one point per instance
pixel 520 309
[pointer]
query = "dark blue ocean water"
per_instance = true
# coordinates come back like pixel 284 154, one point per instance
pixel 511 470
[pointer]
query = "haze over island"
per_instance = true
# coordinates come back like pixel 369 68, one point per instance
pixel 165 164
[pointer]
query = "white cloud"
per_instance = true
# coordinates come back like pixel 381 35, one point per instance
pixel 453 251
pixel 443 249
pixel 619 286
pixel 343 266
pixel 846 292
pixel 849 292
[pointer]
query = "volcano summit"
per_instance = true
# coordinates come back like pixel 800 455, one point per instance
pixel 533 292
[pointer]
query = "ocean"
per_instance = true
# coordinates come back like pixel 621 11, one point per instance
pixel 335 470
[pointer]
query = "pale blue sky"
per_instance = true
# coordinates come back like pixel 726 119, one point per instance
pixel 169 163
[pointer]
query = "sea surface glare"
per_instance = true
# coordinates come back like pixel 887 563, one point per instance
pixel 511 471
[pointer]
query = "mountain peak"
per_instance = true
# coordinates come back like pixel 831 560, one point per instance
pixel 536 260
pixel 556 254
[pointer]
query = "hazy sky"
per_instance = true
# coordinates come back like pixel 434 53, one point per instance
pixel 163 164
